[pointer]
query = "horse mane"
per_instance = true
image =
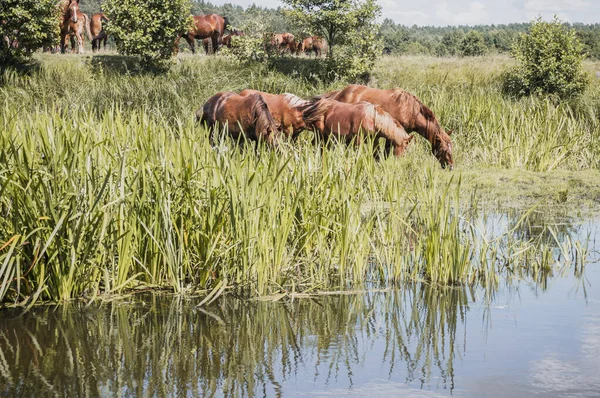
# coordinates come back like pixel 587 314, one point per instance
pixel 384 122
pixel 294 101
pixel 263 119
pixel 400 96
pixel 315 111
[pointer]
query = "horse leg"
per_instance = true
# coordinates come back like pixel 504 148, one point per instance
pixel 215 43
pixel 105 42
pixel 191 40
pixel 63 43
pixel 95 44
pixel 72 40
pixel 80 48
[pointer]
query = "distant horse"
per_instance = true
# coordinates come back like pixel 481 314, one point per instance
pixel 240 115
pixel 207 43
pixel 407 109
pixel 286 110
pixel 98 33
pixel 73 24
pixel 355 122
pixel 314 44
pixel 209 26
pixel 295 47
pixel 282 41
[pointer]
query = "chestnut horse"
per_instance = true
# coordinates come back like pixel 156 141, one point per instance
pixel 241 115
pixel 282 41
pixel 286 110
pixel 355 121
pixel 314 44
pixel 407 109
pixel 207 43
pixel 98 33
pixel 209 26
pixel 73 24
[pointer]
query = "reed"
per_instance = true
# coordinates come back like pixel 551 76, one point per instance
pixel 107 185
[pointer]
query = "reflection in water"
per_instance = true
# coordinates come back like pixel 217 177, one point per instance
pixel 238 348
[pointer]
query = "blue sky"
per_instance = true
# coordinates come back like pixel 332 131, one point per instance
pixel 472 12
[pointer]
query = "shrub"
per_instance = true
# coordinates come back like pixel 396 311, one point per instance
pixel 147 29
pixel 549 62
pixel 25 26
pixel 473 45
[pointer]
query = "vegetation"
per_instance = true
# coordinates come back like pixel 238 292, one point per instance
pixel 147 29
pixel 549 62
pixel 115 187
pixel 30 23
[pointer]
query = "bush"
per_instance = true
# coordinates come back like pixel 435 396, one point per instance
pixel 147 29
pixel 549 62
pixel 25 26
pixel 473 45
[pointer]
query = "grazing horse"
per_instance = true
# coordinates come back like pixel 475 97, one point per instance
pixel 98 33
pixel 282 41
pixel 286 110
pixel 209 26
pixel 355 121
pixel 407 109
pixel 73 24
pixel 314 44
pixel 207 43
pixel 242 115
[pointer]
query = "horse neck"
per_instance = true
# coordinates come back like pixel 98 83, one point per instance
pixel 430 129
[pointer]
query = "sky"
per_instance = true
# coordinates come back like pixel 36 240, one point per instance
pixel 469 12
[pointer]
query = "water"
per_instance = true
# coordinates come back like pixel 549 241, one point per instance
pixel 531 338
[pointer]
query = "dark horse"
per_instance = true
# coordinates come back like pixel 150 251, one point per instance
pixel 246 116
pixel 73 23
pixel 209 26
pixel 98 33
pixel 407 109
pixel 354 122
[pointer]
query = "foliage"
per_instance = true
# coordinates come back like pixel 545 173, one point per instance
pixel 147 29
pixel 473 44
pixel 30 23
pixel 549 62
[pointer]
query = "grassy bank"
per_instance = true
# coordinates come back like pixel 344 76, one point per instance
pixel 106 184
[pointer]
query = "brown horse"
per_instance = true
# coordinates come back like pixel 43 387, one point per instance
pixel 407 109
pixel 286 110
pixel 355 121
pixel 98 33
pixel 73 24
pixel 207 43
pixel 281 41
pixel 314 44
pixel 241 115
pixel 209 26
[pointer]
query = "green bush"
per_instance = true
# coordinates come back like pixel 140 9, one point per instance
pixel 29 23
pixel 473 45
pixel 147 29
pixel 549 62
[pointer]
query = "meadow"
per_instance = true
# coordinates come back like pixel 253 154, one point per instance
pixel 107 184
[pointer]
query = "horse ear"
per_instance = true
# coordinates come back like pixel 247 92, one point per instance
pixel 449 132
pixel 410 138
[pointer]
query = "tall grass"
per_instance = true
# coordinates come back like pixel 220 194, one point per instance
pixel 106 185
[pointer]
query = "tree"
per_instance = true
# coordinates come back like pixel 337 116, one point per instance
pixel 548 62
pixel 147 29
pixel 473 45
pixel 336 20
pixel 26 25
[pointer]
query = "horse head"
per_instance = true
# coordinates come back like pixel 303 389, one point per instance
pixel 73 10
pixel 441 147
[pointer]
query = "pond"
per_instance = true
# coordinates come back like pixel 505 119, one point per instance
pixel 526 338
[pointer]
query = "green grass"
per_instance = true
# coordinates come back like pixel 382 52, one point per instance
pixel 107 185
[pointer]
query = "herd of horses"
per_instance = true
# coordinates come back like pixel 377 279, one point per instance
pixel 355 114
pixel 210 28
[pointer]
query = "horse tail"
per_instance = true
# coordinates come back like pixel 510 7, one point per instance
pixel 104 18
pixel 315 111
pixel 264 122
pixel 88 31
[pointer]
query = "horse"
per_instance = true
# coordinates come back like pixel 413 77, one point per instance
pixel 207 43
pixel 281 41
pixel 407 109
pixel 73 24
pixel 315 44
pixel 242 115
pixel 209 26
pixel 286 110
pixel 355 122
pixel 98 33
